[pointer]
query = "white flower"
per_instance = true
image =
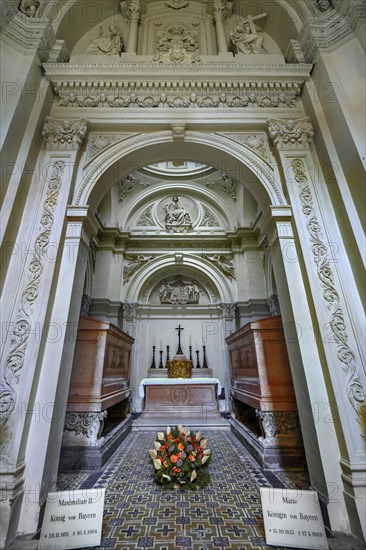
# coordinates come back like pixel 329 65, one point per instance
pixel 207 452
pixel 193 475
pixel 161 436
pixel 204 443
pixel 153 453
pixel 206 457
pixel 168 430
pixel 198 436
pixel 180 428
pixel 181 481
pixel 157 445
pixel 157 464
pixel 167 477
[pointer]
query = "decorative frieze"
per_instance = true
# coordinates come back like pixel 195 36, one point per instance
pixel 337 323
pixel 64 134
pixel 291 134
pixel 22 327
pixel 179 291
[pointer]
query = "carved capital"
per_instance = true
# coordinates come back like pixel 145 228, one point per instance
pixel 64 134
pixel 228 310
pixel 131 310
pixel 290 134
pixel 219 8
pixel 134 9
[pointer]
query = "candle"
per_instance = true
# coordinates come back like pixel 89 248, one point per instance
pixel 196 342
pixel 161 344
pixel 190 339
pixel 154 340
pixel 203 338
pixel 168 339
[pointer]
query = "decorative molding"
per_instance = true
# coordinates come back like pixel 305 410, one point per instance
pixel 177 4
pixel 88 424
pixel 294 53
pixel 30 36
pixel 59 53
pixel 23 324
pixel 276 424
pixel 226 183
pixel 64 134
pixel 179 292
pixel 146 219
pixel 225 263
pixel 209 219
pixel 291 134
pixel 132 263
pixel 354 389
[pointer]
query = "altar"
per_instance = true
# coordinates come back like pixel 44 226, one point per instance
pixel 171 401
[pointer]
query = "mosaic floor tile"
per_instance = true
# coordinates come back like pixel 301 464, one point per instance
pixel 225 515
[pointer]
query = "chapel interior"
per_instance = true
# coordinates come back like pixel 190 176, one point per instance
pixel 182 242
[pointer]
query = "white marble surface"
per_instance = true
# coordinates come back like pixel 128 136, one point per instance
pixel 175 381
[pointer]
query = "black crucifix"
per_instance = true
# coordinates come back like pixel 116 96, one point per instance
pixel 179 350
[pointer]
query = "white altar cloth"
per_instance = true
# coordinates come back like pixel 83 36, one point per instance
pixel 174 381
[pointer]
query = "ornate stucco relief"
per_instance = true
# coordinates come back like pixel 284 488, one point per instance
pixel 179 291
pixel 132 263
pixel 176 45
pixel 224 262
pixel 355 391
pixel 98 143
pixel 256 142
pixel 291 134
pixel 209 219
pixel 226 183
pixel 22 327
pixel 146 218
pixel 64 134
pixel 128 184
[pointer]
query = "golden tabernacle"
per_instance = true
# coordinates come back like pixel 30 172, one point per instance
pixel 179 367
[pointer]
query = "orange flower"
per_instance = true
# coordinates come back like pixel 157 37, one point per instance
pixel 191 458
pixel 170 437
pixel 181 447
pixel 165 463
pixel 174 458
pixel 200 455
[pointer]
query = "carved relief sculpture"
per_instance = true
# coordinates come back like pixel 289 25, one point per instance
pixel 225 263
pixel 146 218
pixel 176 4
pixel 244 37
pixel 110 44
pixel 226 183
pixel 64 134
pixel 177 218
pixel 128 184
pixel 291 134
pixel 323 5
pixel 176 45
pixel 209 220
pixel 179 292
pixel 29 7
pixel 132 264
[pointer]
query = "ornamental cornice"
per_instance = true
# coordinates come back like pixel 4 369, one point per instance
pixel 30 35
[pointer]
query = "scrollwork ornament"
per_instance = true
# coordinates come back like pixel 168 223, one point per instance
pixel 275 424
pixel 355 391
pixel 88 424
pixel 22 327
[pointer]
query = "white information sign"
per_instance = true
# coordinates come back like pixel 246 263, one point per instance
pixel 72 519
pixel 292 518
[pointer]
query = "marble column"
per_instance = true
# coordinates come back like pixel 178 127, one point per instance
pixel 134 16
pixel 219 11
pixel 333 330
pixel 29 293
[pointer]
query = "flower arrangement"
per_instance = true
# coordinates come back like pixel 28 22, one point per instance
pixel 180 459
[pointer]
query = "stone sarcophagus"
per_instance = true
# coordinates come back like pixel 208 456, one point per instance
pixel 99 393
pixel 262 392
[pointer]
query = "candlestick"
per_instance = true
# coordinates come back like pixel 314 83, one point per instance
pixel 167 356
pixel 161 366
pixel 198 366
pixel 190 353
pixel 204 364
pixel 153 365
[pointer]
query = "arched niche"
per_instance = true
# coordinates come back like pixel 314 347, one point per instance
pixel 216 287
pixel 222 152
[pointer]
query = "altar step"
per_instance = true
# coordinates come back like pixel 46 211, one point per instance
pixel 156 423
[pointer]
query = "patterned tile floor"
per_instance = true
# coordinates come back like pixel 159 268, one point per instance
pixel 138 514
